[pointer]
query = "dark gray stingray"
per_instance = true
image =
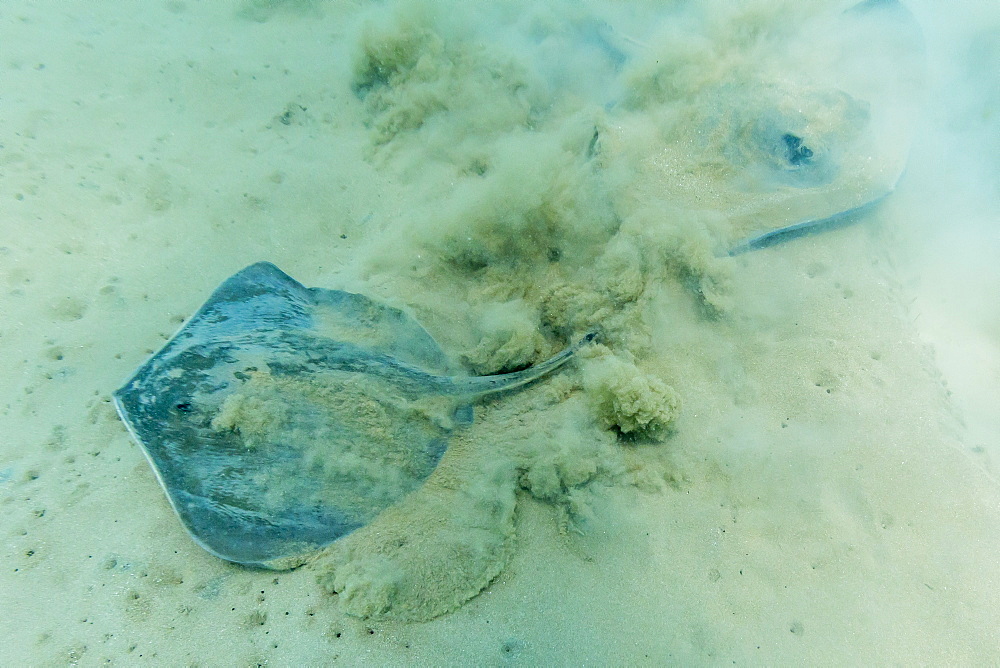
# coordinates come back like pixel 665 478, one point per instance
pixel 280 418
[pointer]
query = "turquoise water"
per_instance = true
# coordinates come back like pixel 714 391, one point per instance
pixel 786 457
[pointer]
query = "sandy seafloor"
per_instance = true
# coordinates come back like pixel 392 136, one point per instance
pixel 827 495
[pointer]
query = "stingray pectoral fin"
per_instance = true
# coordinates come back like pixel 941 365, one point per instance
pixel 478 386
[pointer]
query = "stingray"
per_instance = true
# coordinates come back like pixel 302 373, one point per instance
pixel 280 418
pixel 876 50
pixel 805 130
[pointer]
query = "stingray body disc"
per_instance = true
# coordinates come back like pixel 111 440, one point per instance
pixel 794 126
pixel 279 418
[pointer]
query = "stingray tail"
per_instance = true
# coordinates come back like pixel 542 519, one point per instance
pixel 477 386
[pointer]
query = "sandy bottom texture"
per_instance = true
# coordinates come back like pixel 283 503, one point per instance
pixel 785 457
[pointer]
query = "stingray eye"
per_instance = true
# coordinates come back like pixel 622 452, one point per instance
pixel 796 152
pixel 787 155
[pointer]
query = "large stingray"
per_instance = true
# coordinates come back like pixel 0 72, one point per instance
pixel 780 131
pixel 874 70
pixel 280 418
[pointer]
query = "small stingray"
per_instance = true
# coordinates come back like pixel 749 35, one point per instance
pixel 280 418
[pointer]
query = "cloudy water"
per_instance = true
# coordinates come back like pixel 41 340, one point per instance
pixel 779 221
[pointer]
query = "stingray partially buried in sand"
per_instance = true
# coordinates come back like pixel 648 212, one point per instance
pixel 280 418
